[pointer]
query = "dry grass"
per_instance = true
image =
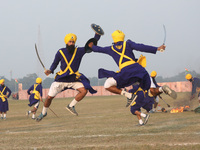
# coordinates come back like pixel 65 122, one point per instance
pixel 103 123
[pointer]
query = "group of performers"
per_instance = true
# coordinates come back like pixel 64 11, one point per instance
pixel 131 72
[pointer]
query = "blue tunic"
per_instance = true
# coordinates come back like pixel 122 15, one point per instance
pixel 131 73
pixel 4 105
pixel 32 100
pixel 142 100
pixel 195 84
pixel 67 77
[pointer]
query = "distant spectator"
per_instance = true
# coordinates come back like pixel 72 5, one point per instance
pixel 35 92
pixel 3 99
pixel 195 86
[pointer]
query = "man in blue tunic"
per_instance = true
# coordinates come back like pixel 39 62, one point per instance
pixel 68 77
pixel 129 70
pixel 4 94
pixel 35 92
pixel 143 100
pixel 195 86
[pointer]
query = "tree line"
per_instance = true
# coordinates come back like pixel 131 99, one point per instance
pixel 29 80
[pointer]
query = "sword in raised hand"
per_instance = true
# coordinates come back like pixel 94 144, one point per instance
pixel 162 50
pixel 39 57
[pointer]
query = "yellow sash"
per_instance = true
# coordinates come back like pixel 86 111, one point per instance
pixel 127 63
pixel 139 89
pixel 68 65
pixel 141 60
pixel 2 96
pixel 37 94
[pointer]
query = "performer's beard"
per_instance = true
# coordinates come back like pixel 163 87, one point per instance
pixel 71 49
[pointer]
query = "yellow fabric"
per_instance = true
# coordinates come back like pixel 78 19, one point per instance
pixel 153 74
pixel 2 81
pixel 139 89
pixel 2 96
pixel 37 94
pixel 188 76
pixel 133 103
pixel 118 36
pixel 127 63
pixel 142 61
pixel 69 37
pixel 68 65
pixel 39 80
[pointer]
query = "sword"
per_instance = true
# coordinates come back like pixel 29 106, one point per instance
pixel 39 57
pixel 164 101
pixel 162 50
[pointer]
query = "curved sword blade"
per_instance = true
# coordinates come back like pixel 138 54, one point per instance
pixel 164 34
pixel 39 57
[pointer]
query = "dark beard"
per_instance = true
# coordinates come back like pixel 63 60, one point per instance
pixel 70 48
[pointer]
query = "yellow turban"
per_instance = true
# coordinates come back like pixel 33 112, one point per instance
pixel 2 81
pixel 188 76
pixel 118 36
pixel 153 74
pixel 69 37
pixel 38 80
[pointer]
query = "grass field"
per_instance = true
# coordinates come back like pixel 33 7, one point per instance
pixel 103 123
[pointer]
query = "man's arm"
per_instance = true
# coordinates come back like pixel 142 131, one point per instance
pixel 29 90
pixel 9 92
pixel 145 48
pixel 54 64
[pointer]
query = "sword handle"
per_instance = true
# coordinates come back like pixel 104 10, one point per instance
pixel 162 50
pixel 45 71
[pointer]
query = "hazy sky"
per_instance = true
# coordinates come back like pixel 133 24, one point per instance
pixel 46 22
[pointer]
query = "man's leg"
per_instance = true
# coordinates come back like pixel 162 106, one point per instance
pixel 35 109
pixel 81 94
pixel 138 114
pixel 165 89
pixel 47 103
pixel 156 91
pixel 1 115
pixel 4 116
pixel 56 87
pixel 145 116
pixel 111 86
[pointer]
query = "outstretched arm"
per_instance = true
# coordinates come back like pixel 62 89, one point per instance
pixel 54 64
pixel 145 48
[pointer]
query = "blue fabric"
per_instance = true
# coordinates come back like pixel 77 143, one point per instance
pixel 67 77
pixel 139 102
pixel 86 83
pixel 132 73
pixel 142 101
pixel 32 100
pixel 4 107
pixel 195 84
pixel 149 101
pixel 74 65
pixel 128 76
